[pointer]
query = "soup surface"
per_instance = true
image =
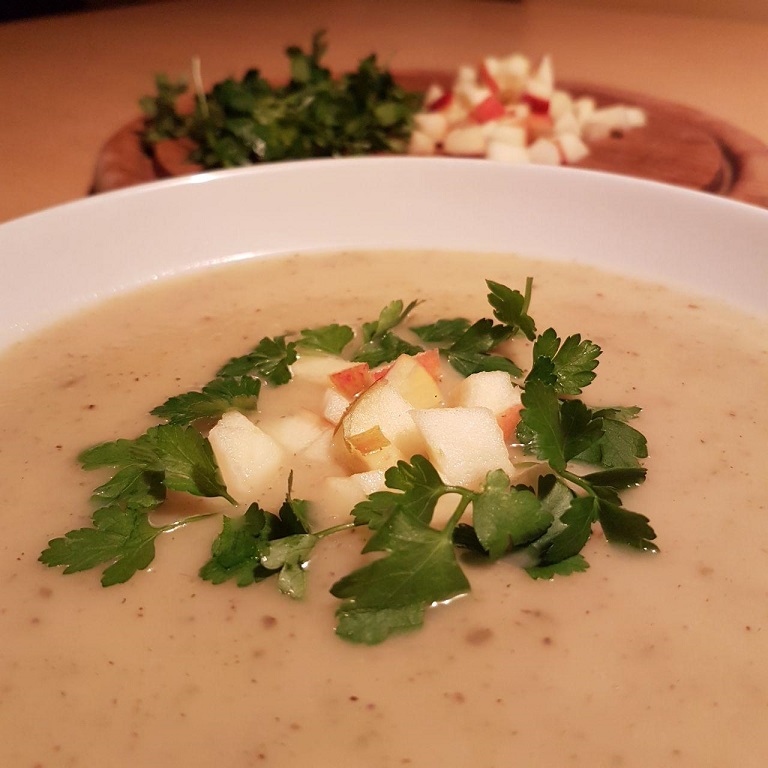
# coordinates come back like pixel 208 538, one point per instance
pixel 643 660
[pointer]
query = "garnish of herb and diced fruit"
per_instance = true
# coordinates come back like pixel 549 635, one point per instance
pixel 448 445
pixel 246 121
pixel 508 109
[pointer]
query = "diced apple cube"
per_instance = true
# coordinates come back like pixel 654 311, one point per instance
pixel 544 77
pixel 295 431
pixel 583 108
pixel 317 368
pixel 443 103
pixel 501 152
pixel 320 450
pixel 508 421
pixel 251 462
pixel 518 114
pixel 512 75
pixel 414 383
pixel 334 500
pixel 572 148
pixel 430 361
pixel 636 117
pixel 472 94
pixel 560 104
pixel 380 410
pixel 487 389
pixel 493 390
pixel 567 123
pixel 489 74
pixel 433 94
pixel 514 135
pixel 371 481
pixel 421 144
pixel 490 108
pixel 455 112
pixel 469 141
pixel 465 75
pixel 352 380
pixel 539 126
pixel 334 405
pixel 602 122
pixel 544 152
pixel 463 444
pixel 432 124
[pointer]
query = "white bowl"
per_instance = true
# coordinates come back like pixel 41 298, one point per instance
pixel 59 260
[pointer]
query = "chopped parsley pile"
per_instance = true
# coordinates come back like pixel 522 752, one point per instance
pixel 247 121
pixel 585 458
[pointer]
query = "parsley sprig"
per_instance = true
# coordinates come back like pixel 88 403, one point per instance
pixel 246 121
pixel 582 460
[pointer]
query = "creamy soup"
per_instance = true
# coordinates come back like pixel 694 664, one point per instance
pixel 643 660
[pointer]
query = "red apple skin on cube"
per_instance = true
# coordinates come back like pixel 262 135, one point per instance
pixel 508 421
pixel 538 105
pixel 488 80
pixel 430 361
pixel 539 126
pixel 352 381
pixel 443 102
pixel 488 109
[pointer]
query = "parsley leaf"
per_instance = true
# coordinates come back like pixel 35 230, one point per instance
pixel 237 551
pixel 621 445
pixel 375 510
pixel 555 430
pixel 421 486
pixel 471 351
pixel 624 527
pixel 502 515
pixel 269 360
pixel 573 564
pixel 384 349
pixel 618 479
pixel 215 398
pixel 166 456
pixel 389 317
pixel 120 535
pixel 442 330
pixel 420 569
pixel 330 339
pixel 572 362
pixel 511 308
pixel 288 556
pixel 259 544
pixel 577 519
pixel 380 345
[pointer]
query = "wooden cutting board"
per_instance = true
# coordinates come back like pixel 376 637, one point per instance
pixel 679 145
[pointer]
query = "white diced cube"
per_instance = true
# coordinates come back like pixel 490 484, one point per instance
pixel 295 431
pixel 463 444
pixel 572 148
pixel 516 135
pixel 560 104
pixel 432 124
pixel 544 152
pixel 487 389
pixel 251 462
pixel 370 482
pixel 502 152
pixel 317 368
pixel 469 141
pixel 421 144
pixel 334 405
